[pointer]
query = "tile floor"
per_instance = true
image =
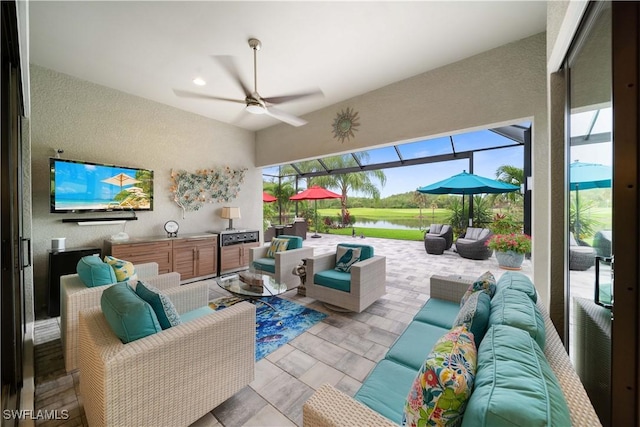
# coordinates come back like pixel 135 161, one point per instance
pixel 340 350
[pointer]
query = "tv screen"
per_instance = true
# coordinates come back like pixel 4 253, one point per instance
pixel 78 186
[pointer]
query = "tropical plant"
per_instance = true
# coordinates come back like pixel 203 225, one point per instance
pixel 587 225
pixel 504 224
pixel 457 219
pixel 515 242
pixel 361 182
pixel 482 212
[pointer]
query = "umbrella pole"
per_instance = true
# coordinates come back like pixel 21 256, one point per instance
pixel 315 207
pixel 577 224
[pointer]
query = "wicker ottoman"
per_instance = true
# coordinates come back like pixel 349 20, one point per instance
pixel 435 245
pixel 581 258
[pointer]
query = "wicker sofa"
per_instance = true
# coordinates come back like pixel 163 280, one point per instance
pixel 331 407
pixel 173 377
pixel 76 296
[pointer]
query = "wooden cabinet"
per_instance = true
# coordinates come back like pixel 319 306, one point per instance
pixel 193 256
pixel 235 257
pixel 143 252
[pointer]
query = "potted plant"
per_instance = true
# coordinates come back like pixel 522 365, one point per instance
pixel 510 249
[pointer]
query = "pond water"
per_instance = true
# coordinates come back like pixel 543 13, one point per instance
pixel 402 224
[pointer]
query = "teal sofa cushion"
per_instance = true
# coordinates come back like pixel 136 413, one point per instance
pixel 163 307
pixel 438 312
pixel 385 389
pixel 334 279
pixel 265 264
pixel 295 242
pixel 366 251
pixel 474 314
pixel 514 308
pixel 93 272
pixel 514 385
pixel 411 348
pixel 194 314
pixel 128 315
pixel 517 281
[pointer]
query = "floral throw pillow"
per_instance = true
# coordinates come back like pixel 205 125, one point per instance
pixel 440 392
pixel 124 269
pixel 485 283
pixel 346 257
pixel 277 245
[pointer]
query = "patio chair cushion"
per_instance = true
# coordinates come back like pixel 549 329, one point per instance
pixel 476 233
pixel 93 272
pixel 124 269
pixel 438 312
pixel 520 282
pixel 295 242
pixel 277 245
pixel 485 283
pixel 435 228
pixel 346 257
pixel 440 391
pixel 366 251
pixel 474 314
pixel 334 279
pixel 536 398
pixel 129 316
pixel 194 314
pixel 163 307
pixel 514 308
pixel 265 264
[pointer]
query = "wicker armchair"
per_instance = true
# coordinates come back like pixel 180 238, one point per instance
pixel 76 296
pixel 366 281
pixel 472 244
pixel 281 266
pixel 581 255
pixel 173 377
pixel 438 239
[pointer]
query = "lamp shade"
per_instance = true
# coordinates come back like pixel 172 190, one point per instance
pixel 230 213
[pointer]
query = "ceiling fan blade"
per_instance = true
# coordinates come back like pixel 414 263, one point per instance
pixel 229 65
pixel 285 117
pixel 292 97
pixel 187 94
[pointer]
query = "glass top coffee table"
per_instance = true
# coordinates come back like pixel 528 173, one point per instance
pixel 252 285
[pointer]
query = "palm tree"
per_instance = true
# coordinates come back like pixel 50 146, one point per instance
pixel 354 181
pixel 511 175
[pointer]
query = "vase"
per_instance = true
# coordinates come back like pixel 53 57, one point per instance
pixel 509 260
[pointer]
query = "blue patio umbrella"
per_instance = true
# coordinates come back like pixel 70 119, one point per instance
pixel 468 183
pixel 585 176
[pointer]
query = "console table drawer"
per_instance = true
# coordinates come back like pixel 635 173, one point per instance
pixel 140 253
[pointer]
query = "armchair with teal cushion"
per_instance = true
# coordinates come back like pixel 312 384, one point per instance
pixel 280 267
pixel 352 290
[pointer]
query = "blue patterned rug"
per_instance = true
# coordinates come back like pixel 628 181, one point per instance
pixel 274 328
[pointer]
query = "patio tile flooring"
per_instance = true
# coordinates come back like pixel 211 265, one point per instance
pixel 340 350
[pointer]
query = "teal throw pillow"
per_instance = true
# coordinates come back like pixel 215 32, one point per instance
pixel 163 307
pixel 474 314
pixel 128 315
pixel 93 272
pixel 346 257
pixel 485 283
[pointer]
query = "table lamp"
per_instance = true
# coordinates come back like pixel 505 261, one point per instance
pixel 230 214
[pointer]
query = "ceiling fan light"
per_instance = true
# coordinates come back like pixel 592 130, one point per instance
pixel 255 109
pixel 199 81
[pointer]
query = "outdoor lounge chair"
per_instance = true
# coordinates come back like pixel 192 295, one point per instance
pixel 581 255
pixel 280 267
pixel 472 244
pixel 438 239
pixel 354 290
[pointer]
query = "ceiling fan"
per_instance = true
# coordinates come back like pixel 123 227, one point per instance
pixel 254 103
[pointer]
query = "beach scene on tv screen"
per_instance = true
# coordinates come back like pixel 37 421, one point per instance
pixel 81 186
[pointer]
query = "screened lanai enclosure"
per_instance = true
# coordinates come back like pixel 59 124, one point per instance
pixel 426 157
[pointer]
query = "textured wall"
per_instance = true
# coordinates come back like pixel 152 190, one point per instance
pixel 98 124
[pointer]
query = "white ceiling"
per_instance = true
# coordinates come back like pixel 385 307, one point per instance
pixel 148 48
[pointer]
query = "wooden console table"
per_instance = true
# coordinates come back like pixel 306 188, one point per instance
pixel 194 256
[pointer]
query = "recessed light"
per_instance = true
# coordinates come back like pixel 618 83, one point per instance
pixel 199 81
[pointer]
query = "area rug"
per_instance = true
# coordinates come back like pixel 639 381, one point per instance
pixel 278 325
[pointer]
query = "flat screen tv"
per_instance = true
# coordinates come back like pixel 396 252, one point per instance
pixel 78 186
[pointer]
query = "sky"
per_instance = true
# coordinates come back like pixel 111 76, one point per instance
pixel 594 121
